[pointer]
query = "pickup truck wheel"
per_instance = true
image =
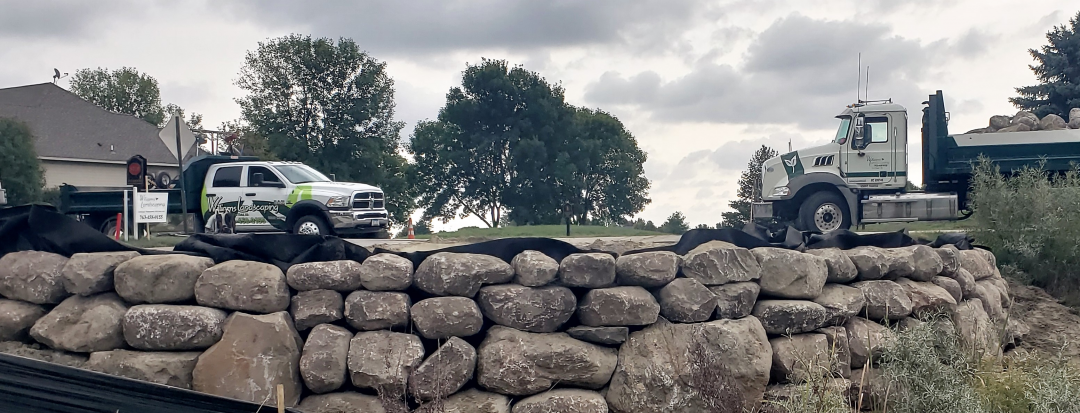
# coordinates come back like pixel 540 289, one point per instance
pixel 311 225
pixel 824 212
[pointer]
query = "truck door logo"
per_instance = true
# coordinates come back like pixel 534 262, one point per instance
pixel 792 164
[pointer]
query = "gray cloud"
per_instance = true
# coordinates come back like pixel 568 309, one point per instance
pixel 61 19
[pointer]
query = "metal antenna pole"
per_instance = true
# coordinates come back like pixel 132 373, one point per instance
pixel 180 177
pixel 859 80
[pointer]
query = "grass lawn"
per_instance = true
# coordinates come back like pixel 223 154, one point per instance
pixel 546 231
pixel 935 226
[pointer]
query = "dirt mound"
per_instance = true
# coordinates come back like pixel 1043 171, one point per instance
pixel 1052 325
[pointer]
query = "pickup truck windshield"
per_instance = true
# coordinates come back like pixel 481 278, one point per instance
pixel 300 174
pixel 841 134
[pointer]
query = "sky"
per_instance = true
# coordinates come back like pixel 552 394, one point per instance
pixel 700 84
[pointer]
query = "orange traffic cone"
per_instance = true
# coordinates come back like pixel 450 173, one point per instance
pixel 411 235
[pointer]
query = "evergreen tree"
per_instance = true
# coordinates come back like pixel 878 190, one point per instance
pixel 20 171
pixel 1058 72
pixel 749 190
pixel 675 224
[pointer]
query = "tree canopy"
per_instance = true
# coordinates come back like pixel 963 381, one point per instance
pixel 20 171
pixel 507 146
pixel 749 190
pixel 1058 72
pixel 675 224
pixel 125 90
pixel 329 105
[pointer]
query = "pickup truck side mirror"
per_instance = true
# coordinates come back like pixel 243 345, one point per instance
pixel 257 179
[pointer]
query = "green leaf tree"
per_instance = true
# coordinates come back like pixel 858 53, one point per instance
pixel 675 224
pixel 329 105
pixel 125 90
pixel 749 190
pixel 1058 72
pixel 702 226
pixel 21 174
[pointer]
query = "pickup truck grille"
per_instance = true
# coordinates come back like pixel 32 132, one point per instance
pixel 368 200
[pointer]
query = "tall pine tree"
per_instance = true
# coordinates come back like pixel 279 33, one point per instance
pixel 1058 71
pixel 749 190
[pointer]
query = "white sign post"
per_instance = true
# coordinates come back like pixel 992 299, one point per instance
pixel 151 207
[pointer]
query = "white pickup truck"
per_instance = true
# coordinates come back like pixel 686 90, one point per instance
pixel 3 195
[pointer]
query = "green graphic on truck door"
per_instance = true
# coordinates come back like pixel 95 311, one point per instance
pixel 792 164
pixel 254 211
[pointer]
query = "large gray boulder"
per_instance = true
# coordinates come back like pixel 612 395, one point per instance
pixel 533 309
pixel 377 310
pixel 18 317
pixel 870 262
pixel 341 403
pixel 168 368
pixel 975 263
pixel 534 269
pixel 928 264
pixel 382 360
pixel 589 270
pixel 672 367
pixel 444 372
pixel 311 308
pixel 1074 118
pixel 519 363
pixel 990 297
pixel 452 274
pixel 164 327
pixel 159 279
pixel 605 336
pixel 386 272
pixel 83 324
pixel 885 300
pixel 718 263
pixel 950 260
pixel 87 274
pixel 841 269
pixel 618 306
pixel 840 350
pixel 33 276
pixel 999 122
pixel 563 401
pixel 782 317
pixel 800 357
pixel 647 269
pixel 243 286
pixel 901 262
pixel 1052 122
pixel 37 351
pixel 950 285
pixel 1002 287
pixel 440 318
pixel 976 331
pixel 927 298
pixel 735 300
pixel 325 360
pixel 255 354
pixel 341 275
pixel 966 281
pixel 686 300
pixel 1025 118
pixel 867 340
pixel 841 302
pixel 791 274
pixel 475 401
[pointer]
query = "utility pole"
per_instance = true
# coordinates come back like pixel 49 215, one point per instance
pixel 180 181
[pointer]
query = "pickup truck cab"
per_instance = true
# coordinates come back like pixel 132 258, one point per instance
pixel 292 197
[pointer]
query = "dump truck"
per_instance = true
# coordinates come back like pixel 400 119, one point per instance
pixel 861 176
pixel 245 194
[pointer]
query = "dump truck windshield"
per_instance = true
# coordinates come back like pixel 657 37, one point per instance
pixel 842 132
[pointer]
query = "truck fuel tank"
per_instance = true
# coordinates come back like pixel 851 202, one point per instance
pixel 910 207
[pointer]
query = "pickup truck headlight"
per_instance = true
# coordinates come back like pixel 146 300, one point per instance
pixel 337 202
pixel 781 191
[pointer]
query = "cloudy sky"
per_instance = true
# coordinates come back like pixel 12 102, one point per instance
pixel 701 84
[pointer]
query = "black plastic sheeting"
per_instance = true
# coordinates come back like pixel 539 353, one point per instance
pixel 35 386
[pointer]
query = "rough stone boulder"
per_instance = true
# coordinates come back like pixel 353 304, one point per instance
pixel 17 318
pixel 342 275
pixel 563 401
pixel 39 352
pixel 791 274
pixel 168 368
pixel 975 262
pixel 884 300
pixel 377 310
pixel 444 372
pixel 591 270
pixel 798 392
pixel 475 401
pixel 951 286
pixel 1002 287
pixel 735 300
pixel 1074 118
pixel 999 121
pixel 718 263
pixel 462 275
pixel 838 346
pixel 870 262
pixel 440 318
pixel 33 276
pixel 341 403
pixel 534 269
pixel 254 355
pixel 618 306
pixel 927 263
pixel 386 272
pixel 781 317
pixel 1052 122
pixel 1025 118
pixel 607 336
pixel 800 357
pixel 950 260
pixel 662 367
pixel 966 281
pixel 686 300
pixel 927 298
pixel 519 363
pixel 871 385
pixel 164 327
pixel 83 324
pixel 380 360
pixel 159 279
pixel 866 340
pixel 647 269
pixel 243 286
pixel 1020 127
pixel 87 274
pixel 976 330
pixel 901 262
pixel 311 308
pixel 324 361
pixel 990 297
pixel 841 302
pixel 841 269
pixel 533 309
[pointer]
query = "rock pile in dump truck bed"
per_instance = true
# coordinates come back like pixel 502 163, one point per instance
pixel 1024 121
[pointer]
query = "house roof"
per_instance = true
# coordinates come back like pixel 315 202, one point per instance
pixel 67 126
